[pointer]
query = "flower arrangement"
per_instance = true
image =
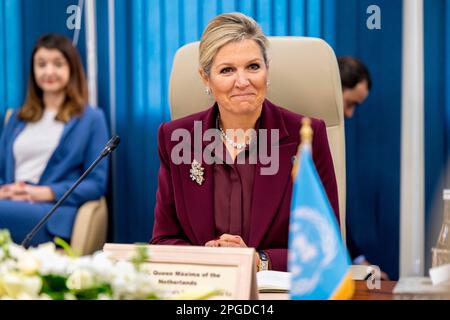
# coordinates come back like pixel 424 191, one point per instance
pixel 45 273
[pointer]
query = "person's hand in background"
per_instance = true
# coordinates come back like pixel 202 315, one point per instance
pixel 40 193
pixel 383 275
pixel 21 191
pixel 13 191
pixel 4 192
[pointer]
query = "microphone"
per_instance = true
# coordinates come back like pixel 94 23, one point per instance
pixel 110 147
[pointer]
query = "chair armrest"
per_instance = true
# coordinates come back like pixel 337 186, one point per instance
pixel 90 227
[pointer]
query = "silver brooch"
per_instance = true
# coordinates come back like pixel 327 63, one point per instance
pixel 197 172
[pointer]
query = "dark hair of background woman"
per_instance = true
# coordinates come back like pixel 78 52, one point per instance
pixel 76 90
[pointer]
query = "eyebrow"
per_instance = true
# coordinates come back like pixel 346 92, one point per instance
pixel 51 59
pixel 230 64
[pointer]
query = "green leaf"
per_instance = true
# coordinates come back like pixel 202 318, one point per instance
pixel 67 248
pixel 54 286
pixel 93 293
pixel 5 237
pixel 153 296
pixel 140 256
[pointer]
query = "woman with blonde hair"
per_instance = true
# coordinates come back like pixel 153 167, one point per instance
pixel 232 203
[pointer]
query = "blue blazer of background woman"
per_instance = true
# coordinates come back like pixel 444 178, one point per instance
pixel 48 143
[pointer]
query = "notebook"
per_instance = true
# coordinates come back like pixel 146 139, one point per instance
pixel 273 281
pixel 270 281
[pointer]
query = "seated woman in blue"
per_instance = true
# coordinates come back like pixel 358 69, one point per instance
pixel 48 143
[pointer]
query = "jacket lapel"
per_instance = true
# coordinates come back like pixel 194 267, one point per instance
pixel 67 129
pixel 10 163
pixel 268 189
pixel 198 199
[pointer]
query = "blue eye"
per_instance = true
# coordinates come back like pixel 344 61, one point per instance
pixel 226 70
pixel 254 66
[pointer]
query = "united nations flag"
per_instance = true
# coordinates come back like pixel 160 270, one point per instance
pixel 318 259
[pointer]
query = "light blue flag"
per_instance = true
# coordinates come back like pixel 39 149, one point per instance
pixel 318 259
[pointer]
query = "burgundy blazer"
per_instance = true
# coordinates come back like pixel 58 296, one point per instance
pixel 184 209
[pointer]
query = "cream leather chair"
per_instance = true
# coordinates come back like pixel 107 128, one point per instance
pixel 91 223
pixel 90 227
pixel 304 78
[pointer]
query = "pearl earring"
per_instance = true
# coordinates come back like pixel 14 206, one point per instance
pixel 268 83
pixel 207 91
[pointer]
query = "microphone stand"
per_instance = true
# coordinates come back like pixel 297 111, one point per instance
pixel 112 144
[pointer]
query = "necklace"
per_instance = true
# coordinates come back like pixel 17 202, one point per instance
pixel 230 141
pixel 238 146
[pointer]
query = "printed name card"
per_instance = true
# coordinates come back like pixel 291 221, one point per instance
pixel 184 270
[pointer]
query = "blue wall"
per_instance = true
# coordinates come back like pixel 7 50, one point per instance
pixel 373 135
pixel 12 84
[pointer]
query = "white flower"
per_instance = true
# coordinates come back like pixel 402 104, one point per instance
pixel 28 264
pixel 80 279
pixel 2 288
pixel 54 264
pixel 103 297
pixel 16 251
pixel 22 273
pixel 69 296
pixel 16 284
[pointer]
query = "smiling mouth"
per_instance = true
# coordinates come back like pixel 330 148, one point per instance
pixel 242 95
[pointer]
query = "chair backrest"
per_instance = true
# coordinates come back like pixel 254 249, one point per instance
pixel 90 227
pixel 304 78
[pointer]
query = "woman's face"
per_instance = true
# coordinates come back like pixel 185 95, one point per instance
pixel 51 70
pixel 238 78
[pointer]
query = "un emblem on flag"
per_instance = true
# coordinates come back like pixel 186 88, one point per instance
pixel 312 249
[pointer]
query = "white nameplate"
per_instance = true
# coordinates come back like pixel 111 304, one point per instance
pixel 178 270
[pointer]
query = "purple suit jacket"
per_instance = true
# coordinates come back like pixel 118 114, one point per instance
pixel 184 209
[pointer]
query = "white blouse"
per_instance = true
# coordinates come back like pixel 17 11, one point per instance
pixel 35 145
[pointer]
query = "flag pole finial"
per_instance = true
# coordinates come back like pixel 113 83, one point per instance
pixel 306 132
pixel 306 135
